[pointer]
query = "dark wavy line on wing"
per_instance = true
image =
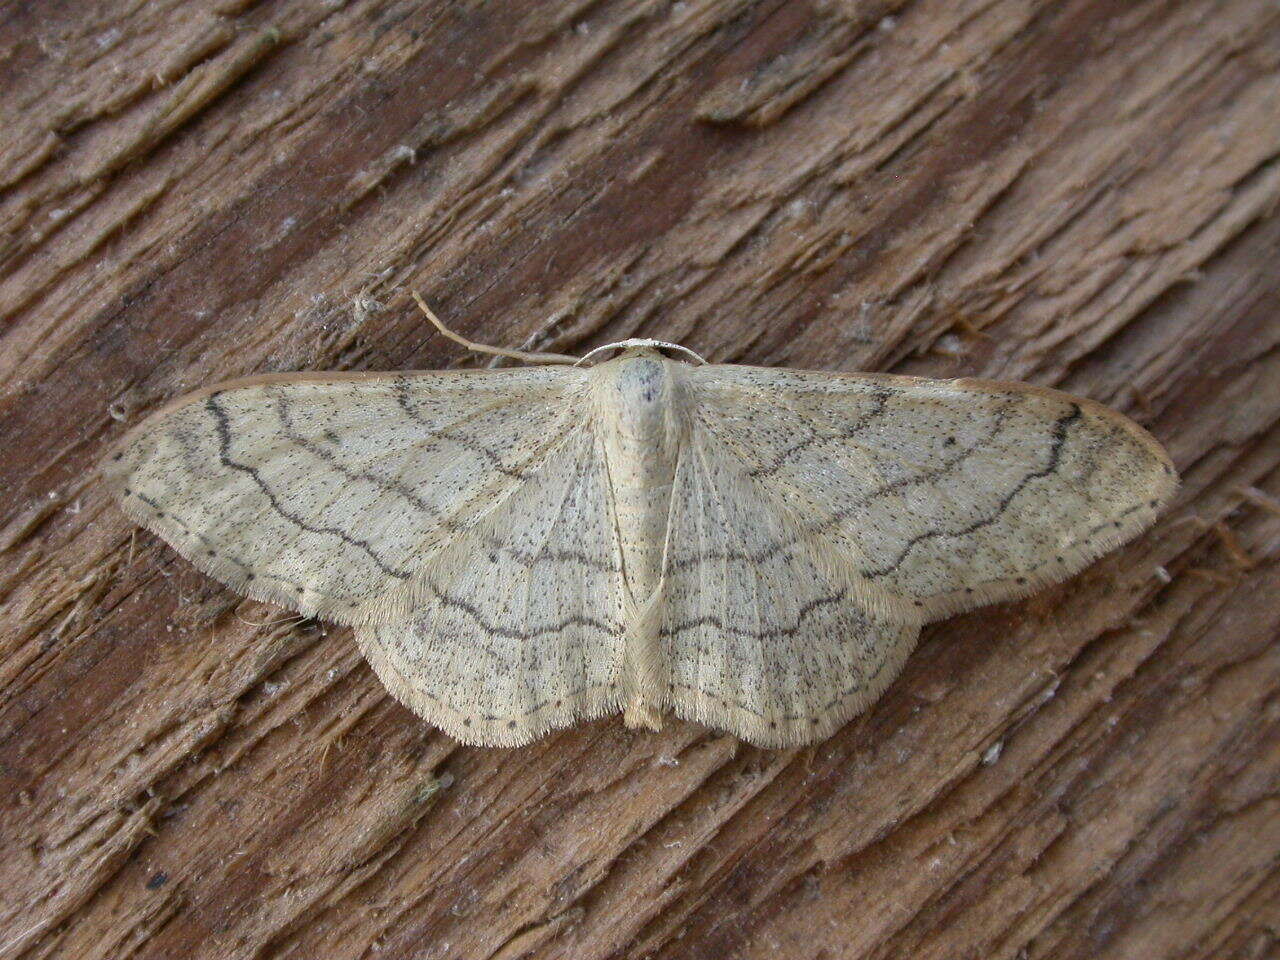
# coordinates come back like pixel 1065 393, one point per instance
pixel 814 717
pixel 804 613
pixel 473 612
pixel 880 399
pixel 526 559
pixel 222 424
pixel 1060 428
pixel 475 446
pixel 285 417
pixel 844 512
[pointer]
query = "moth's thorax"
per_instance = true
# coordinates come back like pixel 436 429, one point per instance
pixel 637 417
pixel 637 401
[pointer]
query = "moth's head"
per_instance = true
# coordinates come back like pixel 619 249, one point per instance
pixel 642 346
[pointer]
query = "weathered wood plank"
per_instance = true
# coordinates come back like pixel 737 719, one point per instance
pixel 1082 194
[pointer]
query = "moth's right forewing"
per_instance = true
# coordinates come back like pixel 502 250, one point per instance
pixel 942 494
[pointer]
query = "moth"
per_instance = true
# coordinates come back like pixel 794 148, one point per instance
pixel 637 531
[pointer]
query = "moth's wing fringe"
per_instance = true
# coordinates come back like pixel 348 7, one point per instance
pixel 481 732
pixel 780 732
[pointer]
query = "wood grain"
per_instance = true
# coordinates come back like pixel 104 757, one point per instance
pixel 1081 194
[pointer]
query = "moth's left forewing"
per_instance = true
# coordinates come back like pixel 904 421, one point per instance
pixel 326 493
pixel 944 494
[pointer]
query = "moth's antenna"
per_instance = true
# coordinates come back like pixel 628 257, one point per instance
pixel 642 342
pixel 526 356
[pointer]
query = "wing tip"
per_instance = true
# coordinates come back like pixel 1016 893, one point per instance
pixel 1069 562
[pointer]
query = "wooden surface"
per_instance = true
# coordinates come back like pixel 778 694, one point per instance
pixel 1082 194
